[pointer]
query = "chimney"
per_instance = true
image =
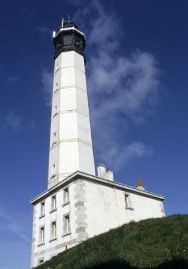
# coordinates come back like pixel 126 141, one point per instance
pixel 140 185
pixel 103 172
pixel 109 175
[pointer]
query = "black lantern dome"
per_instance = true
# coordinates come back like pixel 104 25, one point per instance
pixel 69 38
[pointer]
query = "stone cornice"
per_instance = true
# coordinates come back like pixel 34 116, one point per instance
pixel 84 176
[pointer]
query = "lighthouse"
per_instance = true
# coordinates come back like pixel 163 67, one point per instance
pixel 70 137
pixel 78 203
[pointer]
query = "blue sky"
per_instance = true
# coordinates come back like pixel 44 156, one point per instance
pixel 137 82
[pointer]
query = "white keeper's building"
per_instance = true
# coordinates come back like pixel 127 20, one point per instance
pixel 79 203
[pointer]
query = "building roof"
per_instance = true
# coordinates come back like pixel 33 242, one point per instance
pixel 102 181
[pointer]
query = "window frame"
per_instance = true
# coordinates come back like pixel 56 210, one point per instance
pixel 42 209
pixel 66 196
pixel 53 203
pixel 65 230
pixel 128 202
pixel 53 230
pixel 41 235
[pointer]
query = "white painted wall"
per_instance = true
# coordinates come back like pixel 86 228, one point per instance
pixel 106 208
pixel 71 147
pixel 49 247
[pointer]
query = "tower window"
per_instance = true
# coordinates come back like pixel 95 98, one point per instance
pixel 53 230
pixel 53 170
pixel 53 203
pixel 66 195
pixel 66 224
pixel 55 111
pixel 42 209
pixel 56 67
pixel 54 140
pixel 41 235
pixel 67 40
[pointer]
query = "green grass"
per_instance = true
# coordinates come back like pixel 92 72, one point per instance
pixel 153 243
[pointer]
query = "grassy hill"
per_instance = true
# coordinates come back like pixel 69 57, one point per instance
pixel 153 243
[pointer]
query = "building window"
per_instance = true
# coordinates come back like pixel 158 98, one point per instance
pixel 65 195
pixel 54 141
pixel 41 235
pixel 56 67
pixel 55 111
pixel 53 170
pixel 42 209
pixel 53 203
pixel 53 230
pixel 66 224
pixel 128 204
pixel 41 261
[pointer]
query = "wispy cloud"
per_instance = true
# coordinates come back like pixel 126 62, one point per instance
pixel 9 224
pixel 116 157
pixel 14 121
pixel 123 88
pixel 13 78
pixel 46 82
pixel 44 29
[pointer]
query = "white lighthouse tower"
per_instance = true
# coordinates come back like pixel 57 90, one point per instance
pixel 78 204
pixel 70 139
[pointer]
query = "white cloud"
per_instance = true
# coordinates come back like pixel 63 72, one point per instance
pixel 123 88
pixel 13 78
pixel 118 157
pixel 13 121
pixel 7 223
pixel 44 29
pixel 16 122
pixel 47 81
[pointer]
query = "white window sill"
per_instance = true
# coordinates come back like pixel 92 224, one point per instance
pixel 42 216
pixel 41 244
pixel 56 89
pixel 53 239
pixel 53 144
pixel 55 114
pixel 53 176
pixel 66 234
pixel 66 203
pixel 53 210
pixel 130 208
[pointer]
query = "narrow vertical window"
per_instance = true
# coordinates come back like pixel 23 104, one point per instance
pixel 65 195
pixel 53 230
pixel 41 235
pixel 42 209
pixel 126 200
pixel 128 204
pixel 66 224
pixel 56 67
pixel 54 141
pixel 55 111
pixel 53 170
pixel 53 203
